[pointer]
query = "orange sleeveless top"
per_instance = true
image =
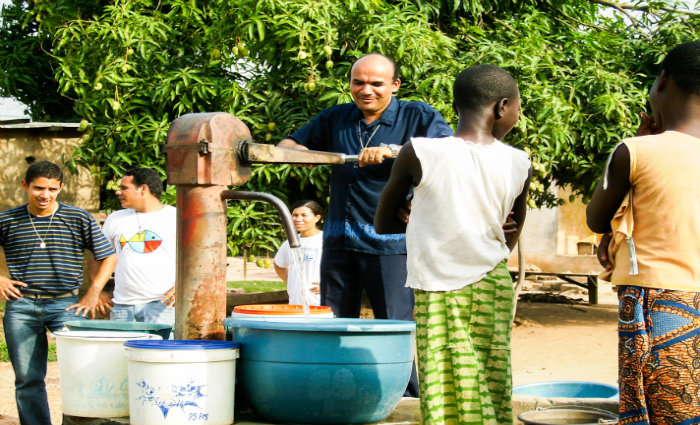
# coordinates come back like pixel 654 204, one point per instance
pixel 662 213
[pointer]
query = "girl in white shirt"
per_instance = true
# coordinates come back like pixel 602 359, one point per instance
pixel 306 215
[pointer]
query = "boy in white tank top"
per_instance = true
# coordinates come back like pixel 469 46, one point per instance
pixel 465 187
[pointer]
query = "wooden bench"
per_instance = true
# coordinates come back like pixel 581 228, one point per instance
pixel 591 281
pixel 236 299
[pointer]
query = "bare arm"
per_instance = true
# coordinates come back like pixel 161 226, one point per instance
pixel 405 172
pixel 517 214
pixel 9 289
pixel 282 273
pixel 606 201
pixel 169 297
pixel 289 143
pixel 90 302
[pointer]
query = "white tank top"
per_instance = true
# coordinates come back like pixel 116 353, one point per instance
pixel 455 232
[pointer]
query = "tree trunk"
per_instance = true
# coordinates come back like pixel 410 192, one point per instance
pixel 245 263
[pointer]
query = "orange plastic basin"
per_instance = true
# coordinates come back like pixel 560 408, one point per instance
pixel 280 309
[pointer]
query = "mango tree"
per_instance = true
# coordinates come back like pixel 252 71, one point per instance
pixel 131 67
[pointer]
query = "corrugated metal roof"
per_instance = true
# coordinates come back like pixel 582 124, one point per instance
pixel 50 126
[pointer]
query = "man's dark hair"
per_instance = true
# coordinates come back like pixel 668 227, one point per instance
pixel 45 169
pixel 481 85
pixel 149 177
pixel 392 61
pixel 682 64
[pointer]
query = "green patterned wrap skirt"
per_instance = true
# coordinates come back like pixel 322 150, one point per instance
pixel 463 344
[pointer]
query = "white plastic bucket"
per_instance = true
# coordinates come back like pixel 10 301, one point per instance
pixel 93 372
pixel 181 382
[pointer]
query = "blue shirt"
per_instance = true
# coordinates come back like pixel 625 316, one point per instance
pixel 58 267
pixel 355 190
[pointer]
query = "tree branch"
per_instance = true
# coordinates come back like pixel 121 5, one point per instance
pixel 571 18
pixel 621 10
pixel 505 24
pixel 623 7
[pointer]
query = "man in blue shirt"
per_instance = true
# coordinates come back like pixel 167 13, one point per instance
pixel 44 242
pixel 375 126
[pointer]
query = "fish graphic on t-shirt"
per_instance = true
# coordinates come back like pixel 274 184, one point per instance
pixel 143 242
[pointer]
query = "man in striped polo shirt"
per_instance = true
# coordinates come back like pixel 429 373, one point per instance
pixel 44 243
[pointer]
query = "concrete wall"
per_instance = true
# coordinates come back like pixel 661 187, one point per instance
pixel 550 238
pixel 572 228
pixel 22 143
pixel 19 145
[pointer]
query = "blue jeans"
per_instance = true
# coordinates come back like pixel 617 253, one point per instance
pixel 26 321
pixel 152 312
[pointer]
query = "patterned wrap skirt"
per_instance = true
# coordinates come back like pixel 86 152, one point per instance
pixel 463 344
pixel 659 356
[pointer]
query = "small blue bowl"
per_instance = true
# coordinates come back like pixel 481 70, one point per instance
pixel 324 370
pixel 570 389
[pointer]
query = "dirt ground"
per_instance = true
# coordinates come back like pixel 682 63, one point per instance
pixel 551 341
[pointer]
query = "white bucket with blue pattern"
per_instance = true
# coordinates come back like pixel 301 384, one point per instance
pixel 181 382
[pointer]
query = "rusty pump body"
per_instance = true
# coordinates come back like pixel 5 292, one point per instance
pixel 206 153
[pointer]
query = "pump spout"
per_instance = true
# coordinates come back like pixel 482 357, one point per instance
pixel 282 210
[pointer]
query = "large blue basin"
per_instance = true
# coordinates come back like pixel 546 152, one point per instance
pixel 324 370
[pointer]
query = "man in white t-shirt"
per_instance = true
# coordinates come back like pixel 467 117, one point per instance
pixel 143 235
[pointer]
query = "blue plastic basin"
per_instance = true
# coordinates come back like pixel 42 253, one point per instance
pixel 324 370
pixel 571 389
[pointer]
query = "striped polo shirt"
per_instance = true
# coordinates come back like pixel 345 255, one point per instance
pixel 57 268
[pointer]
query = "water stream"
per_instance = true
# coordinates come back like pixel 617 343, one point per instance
pixel 300 269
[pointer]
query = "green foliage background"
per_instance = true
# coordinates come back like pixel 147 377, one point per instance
pixel 131 67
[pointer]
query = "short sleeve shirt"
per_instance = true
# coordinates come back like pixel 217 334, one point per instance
pixel 146 246
pixel 355 190
pixel 311 249
pixel 57 267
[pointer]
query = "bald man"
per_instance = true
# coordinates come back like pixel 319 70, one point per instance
pixel 375 126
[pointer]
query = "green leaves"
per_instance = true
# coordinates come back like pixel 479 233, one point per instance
pixel 583 80
pixel 583 72
pixel 253 226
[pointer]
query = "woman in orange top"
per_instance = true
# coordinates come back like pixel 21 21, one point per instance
pixel 651 193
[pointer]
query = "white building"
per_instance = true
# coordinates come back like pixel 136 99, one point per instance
pixel 11 109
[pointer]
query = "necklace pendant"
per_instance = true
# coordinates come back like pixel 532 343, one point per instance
pixel 42 245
